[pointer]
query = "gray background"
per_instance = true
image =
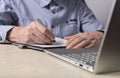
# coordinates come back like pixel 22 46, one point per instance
pixel 101 8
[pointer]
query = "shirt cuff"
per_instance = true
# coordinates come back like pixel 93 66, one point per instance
pixel 3 33
pixel 101 28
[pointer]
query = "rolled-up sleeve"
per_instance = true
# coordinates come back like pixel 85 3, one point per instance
pixel 8 18
pixel 88 20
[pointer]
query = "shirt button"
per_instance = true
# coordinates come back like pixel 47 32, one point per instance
pixel 54 12
pixel 52 26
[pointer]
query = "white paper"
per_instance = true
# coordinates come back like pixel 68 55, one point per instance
pixel 59 42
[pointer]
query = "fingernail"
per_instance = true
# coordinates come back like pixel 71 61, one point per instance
pixel 67 47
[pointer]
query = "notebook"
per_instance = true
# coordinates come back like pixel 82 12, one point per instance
pixel 58 43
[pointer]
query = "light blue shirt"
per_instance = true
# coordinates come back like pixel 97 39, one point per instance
pixel 65 17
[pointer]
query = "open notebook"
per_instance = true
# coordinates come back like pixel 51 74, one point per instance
pixel 59 43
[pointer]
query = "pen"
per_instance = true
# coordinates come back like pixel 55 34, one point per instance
pixel 48 28
pixel 52 31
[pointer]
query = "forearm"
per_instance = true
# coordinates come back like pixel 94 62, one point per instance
pixel 32 33
pixel 8 17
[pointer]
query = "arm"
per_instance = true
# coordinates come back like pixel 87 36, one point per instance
pixel 34 32
pixel 8 18
pixel 90 28
pixel 89 23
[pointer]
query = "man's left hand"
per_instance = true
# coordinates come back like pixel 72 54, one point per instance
pixel 84 40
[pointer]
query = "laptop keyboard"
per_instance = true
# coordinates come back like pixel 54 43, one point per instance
pixel 82 56
pixel 87 57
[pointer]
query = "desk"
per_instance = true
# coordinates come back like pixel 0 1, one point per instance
pixel 27 63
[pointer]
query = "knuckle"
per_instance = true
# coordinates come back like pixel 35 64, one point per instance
pixel 45 30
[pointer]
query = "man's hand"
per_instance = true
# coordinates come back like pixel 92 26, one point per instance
pixel 84 40
pixel 32 33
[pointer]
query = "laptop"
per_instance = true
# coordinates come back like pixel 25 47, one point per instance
pixel 104 59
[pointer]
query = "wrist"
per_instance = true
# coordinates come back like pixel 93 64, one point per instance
pixel 99 34
pixel 12 34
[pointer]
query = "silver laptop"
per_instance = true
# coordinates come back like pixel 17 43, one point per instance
pixel 104 59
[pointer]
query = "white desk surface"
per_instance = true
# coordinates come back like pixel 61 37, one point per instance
pixel 27 63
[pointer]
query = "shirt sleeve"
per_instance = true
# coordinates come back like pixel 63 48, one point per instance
pixel 89 23
pixel 8 18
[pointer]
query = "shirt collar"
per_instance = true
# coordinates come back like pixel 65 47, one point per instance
pixel 44 3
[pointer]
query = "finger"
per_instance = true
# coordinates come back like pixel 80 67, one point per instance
pixel 89 46
pixel 36 40
pixel 94 43
pixel 89 42
pixel 73 43
pixel 40 27
pixel 33 35
pixel 70 41
pixel 41 36
pixel 50 34
pixel 83 44
pixel 31 38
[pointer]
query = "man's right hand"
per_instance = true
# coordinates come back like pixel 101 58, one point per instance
pixel 35 32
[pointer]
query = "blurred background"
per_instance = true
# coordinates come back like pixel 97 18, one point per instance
pixel 101 8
